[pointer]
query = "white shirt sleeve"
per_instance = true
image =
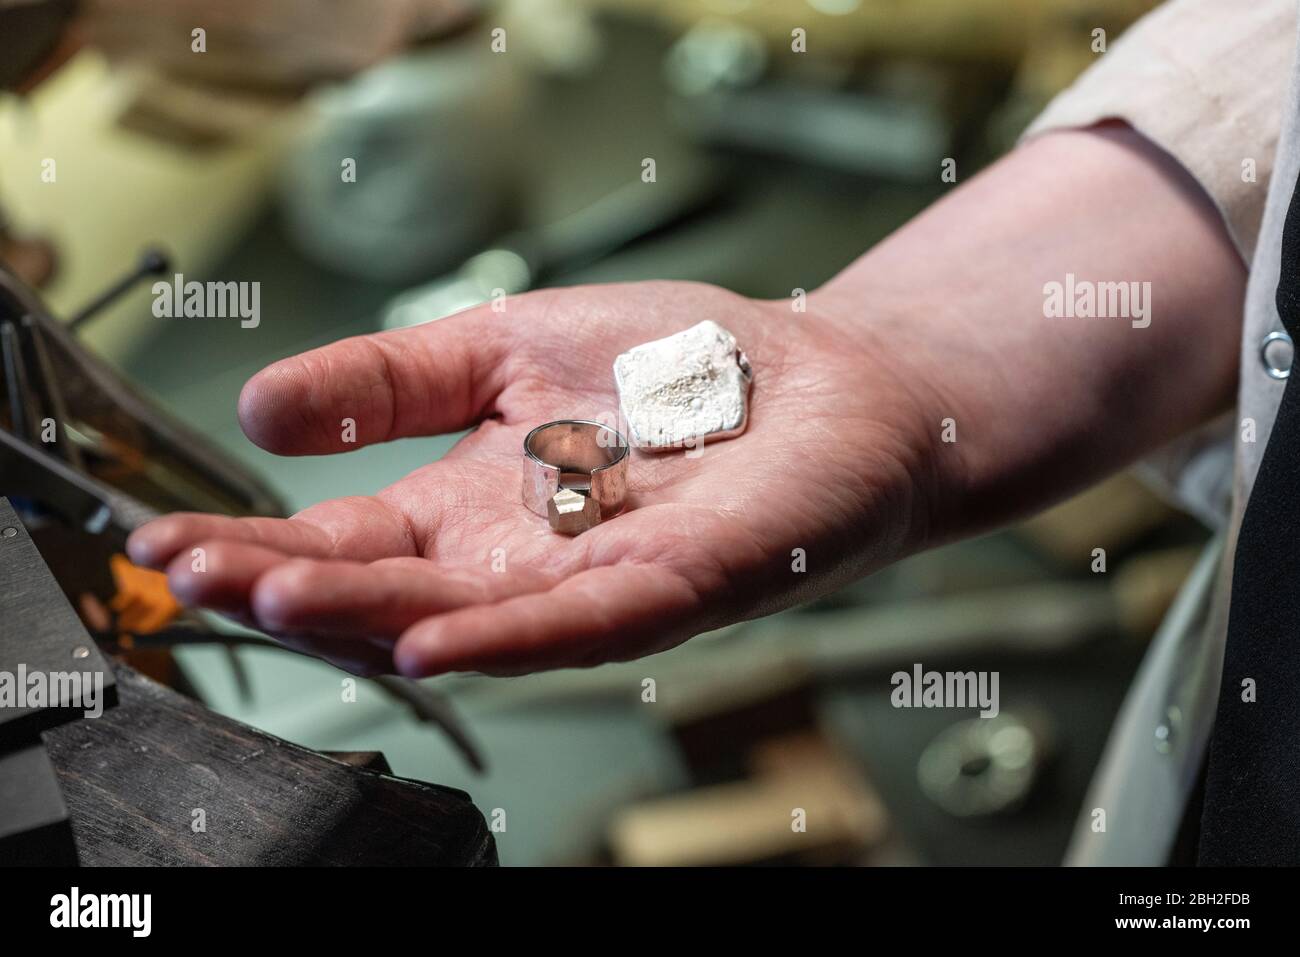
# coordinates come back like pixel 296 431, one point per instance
pixel 1206 81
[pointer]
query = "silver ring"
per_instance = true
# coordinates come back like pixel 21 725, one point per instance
pixel 575 473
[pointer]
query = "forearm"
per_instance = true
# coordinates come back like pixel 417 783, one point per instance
pixel 1042 406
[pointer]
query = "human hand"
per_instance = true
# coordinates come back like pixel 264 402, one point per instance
pixel 446 570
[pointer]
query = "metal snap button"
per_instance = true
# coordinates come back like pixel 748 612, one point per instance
pixel 1167 730
pixel 1277 352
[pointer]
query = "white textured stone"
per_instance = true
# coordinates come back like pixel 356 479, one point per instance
pixel 684 388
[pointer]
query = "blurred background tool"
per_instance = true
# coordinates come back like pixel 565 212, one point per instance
pixel 129 772
pixel 771 784
pixel 71 422
pixel 41 639
pixel 252 59
pixel 86 459
pixel 152 262
pixel 528 258
pixel 408 167
pixel 981 767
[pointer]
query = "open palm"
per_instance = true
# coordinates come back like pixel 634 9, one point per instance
pixel 447 570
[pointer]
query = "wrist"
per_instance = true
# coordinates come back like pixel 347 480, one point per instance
pixel 897 407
